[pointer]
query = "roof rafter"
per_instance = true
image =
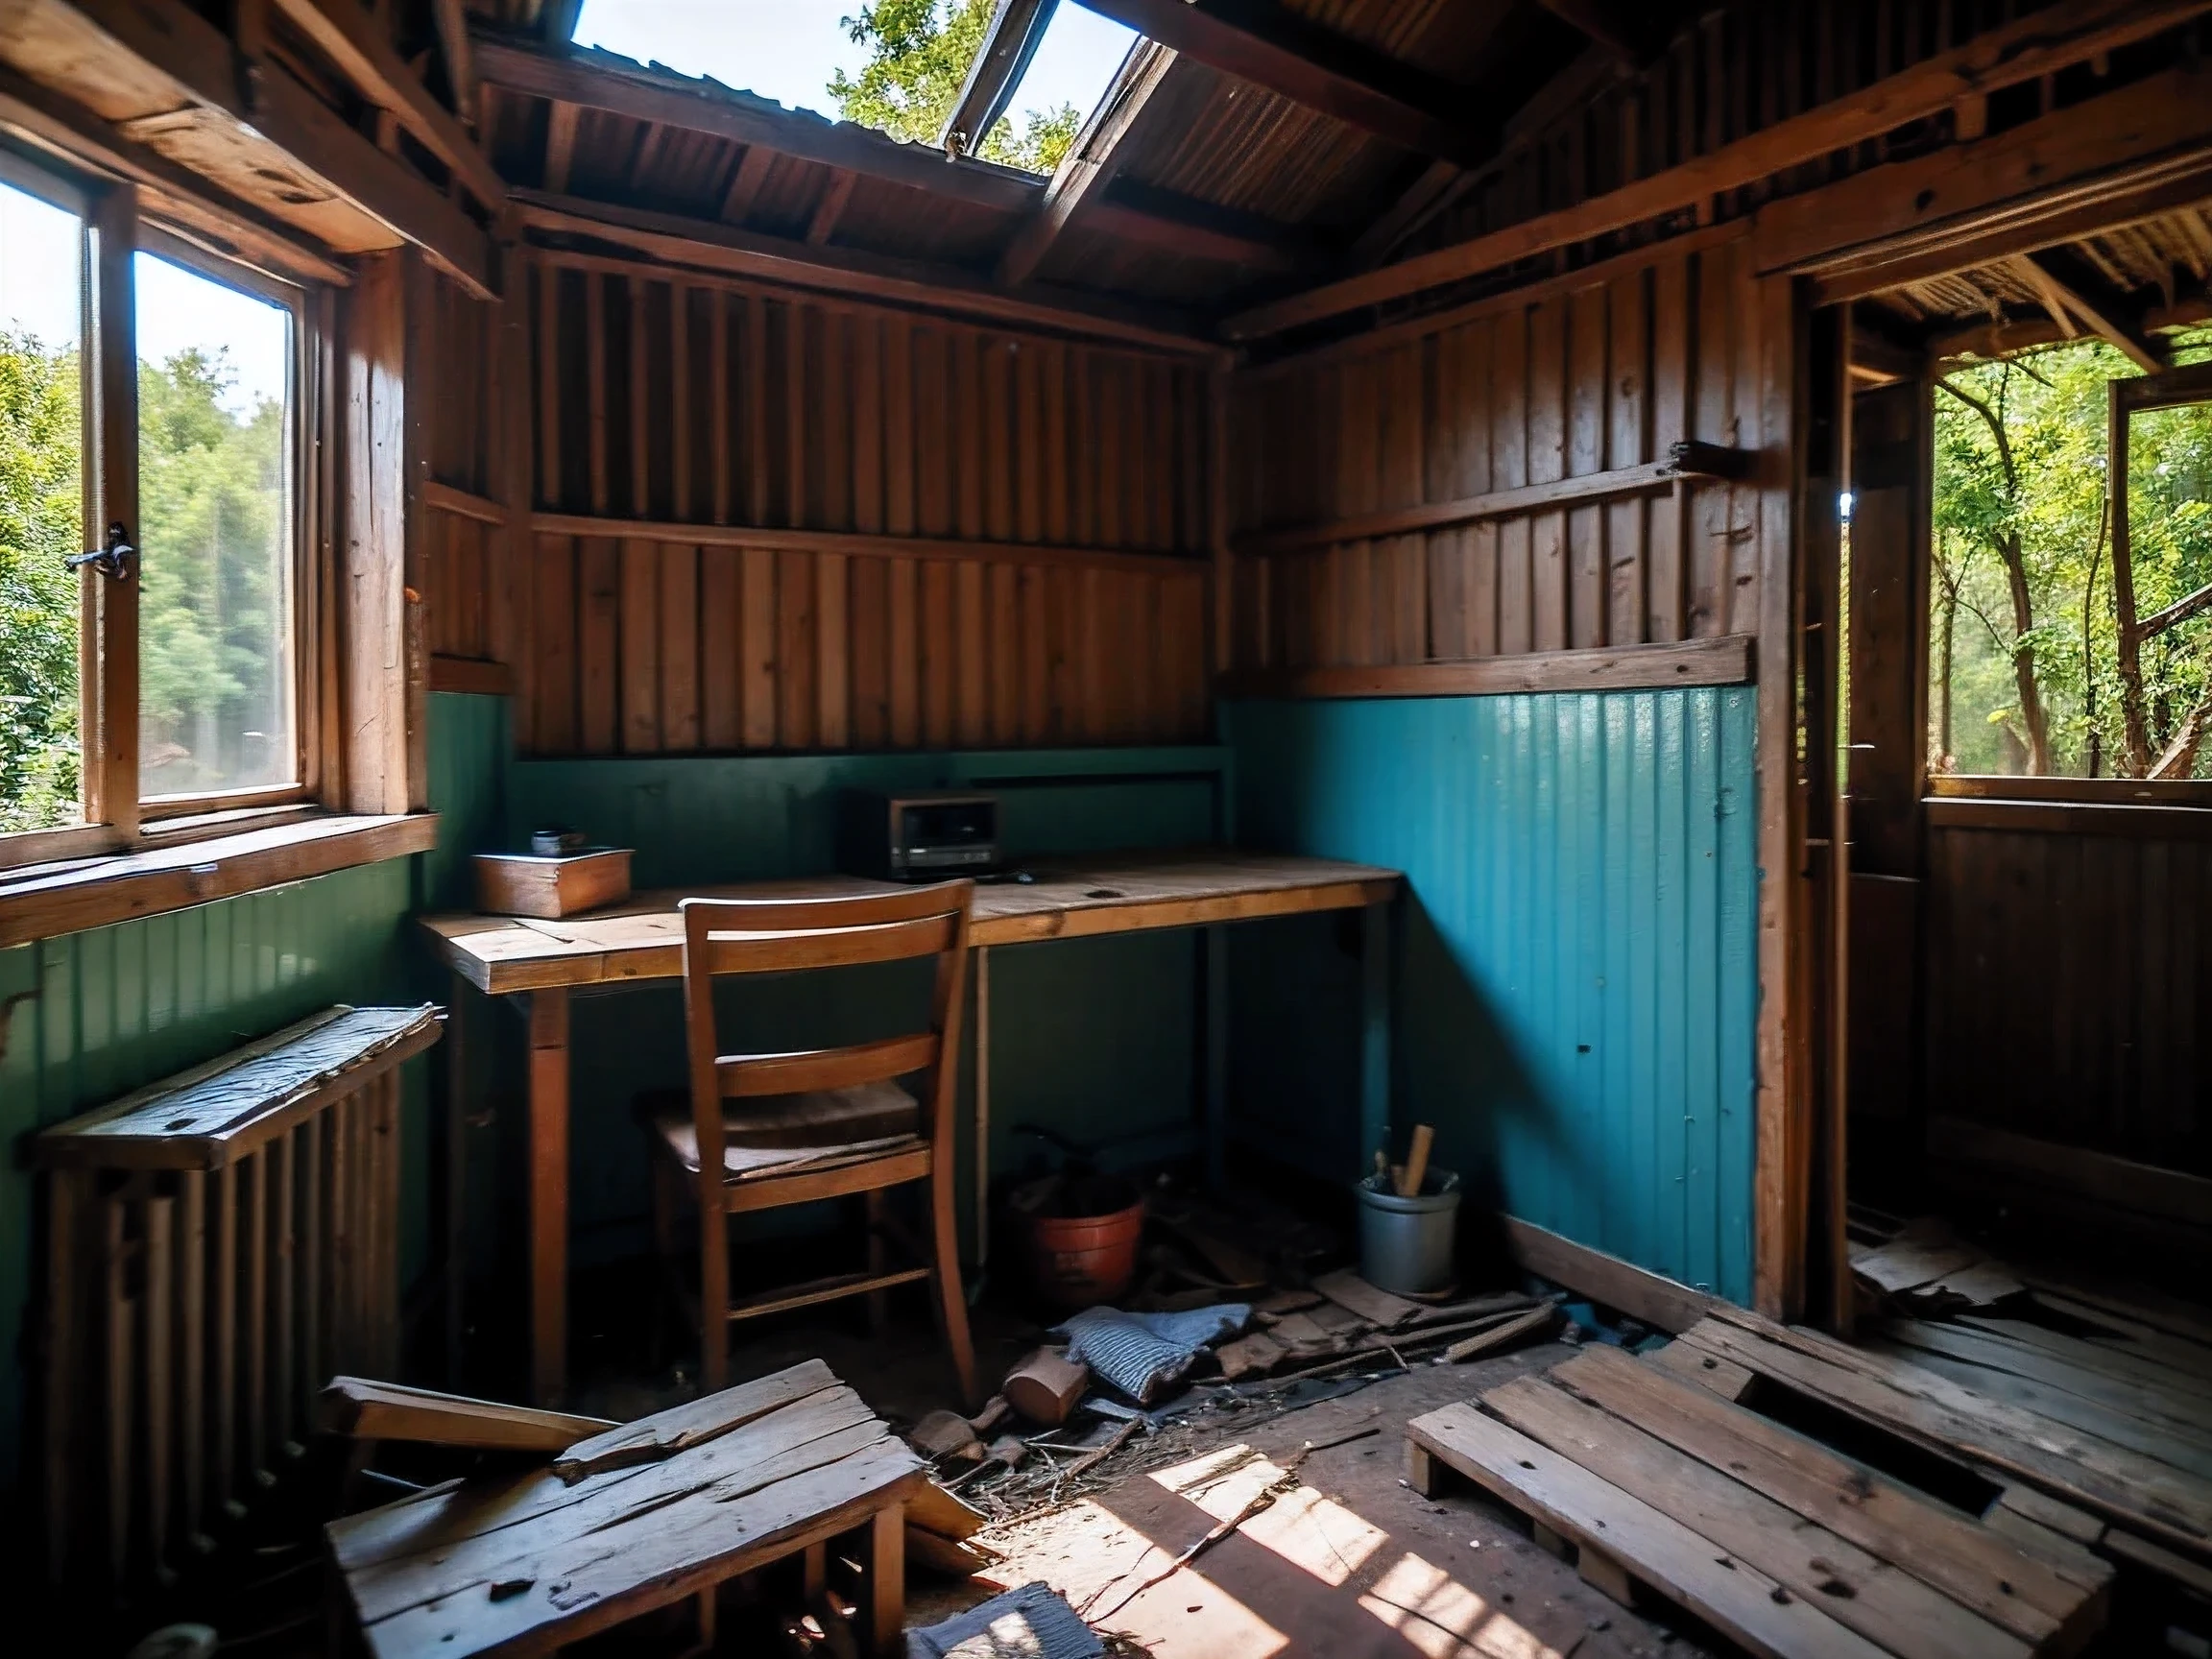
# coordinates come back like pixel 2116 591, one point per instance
pixel 1271 46
pixel 2026 49
pixel 2105 313
pixel 1090 161
pixel 352 38
pixel 1632 34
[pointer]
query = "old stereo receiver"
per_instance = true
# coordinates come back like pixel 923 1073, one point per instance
pixel 923 837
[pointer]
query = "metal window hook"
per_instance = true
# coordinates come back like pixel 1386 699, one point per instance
pixel 114 560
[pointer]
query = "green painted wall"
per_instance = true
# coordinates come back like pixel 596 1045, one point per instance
pixel 112 1009
pixel 1577 977
pixel 1093 1038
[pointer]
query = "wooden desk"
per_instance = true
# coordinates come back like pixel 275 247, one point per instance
pixel 1126 893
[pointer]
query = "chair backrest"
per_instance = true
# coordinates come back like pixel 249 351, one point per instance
pixel 732 936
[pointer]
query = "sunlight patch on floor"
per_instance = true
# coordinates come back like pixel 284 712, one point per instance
pixel 1443 1618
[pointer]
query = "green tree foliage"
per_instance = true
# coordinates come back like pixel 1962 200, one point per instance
pixel 41 524
pixel 213 621
pixel 921 51
pixel 214 629
pixel 2025 675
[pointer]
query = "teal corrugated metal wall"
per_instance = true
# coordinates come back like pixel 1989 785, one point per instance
pixel 1579 980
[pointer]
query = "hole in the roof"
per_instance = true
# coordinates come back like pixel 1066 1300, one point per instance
pixel 900 75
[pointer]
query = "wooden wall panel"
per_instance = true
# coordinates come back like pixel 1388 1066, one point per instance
pixel 1052 492
pixel 462 530
pixel 1559 383
pixel 2066 977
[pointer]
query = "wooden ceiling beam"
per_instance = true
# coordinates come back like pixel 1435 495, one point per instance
pixel 1009 43
pixel 159 71
pixel 1630 33
pixel 581 81
pixel 2027 49
pixel 2105 313
pixel 181 199
pixel 1270 45
pixel 1090 161
pixel 460 57
pixel 705 244
pixel 353 39
pixel 1177 224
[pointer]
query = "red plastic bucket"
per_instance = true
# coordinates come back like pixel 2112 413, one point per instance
pixel 1079 1262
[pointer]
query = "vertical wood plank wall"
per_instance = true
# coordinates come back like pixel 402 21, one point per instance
pixel 1527 389
pixel 1055 492
pixel 464 552
pixel 2067 975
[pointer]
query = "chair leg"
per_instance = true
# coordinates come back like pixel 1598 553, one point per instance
pixel 952 1297
pixel 878 1301
pixel 714 1295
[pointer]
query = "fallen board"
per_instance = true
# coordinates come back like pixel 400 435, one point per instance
pixel 1670 1489
pixel 1671 1561
pixel 2146 1494
pixel 527 1564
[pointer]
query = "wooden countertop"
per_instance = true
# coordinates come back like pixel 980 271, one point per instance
pixel 1072 898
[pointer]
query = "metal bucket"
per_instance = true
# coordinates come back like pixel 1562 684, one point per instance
pixel 1406 1244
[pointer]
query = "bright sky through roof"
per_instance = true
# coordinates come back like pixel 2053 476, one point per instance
pixel 787 49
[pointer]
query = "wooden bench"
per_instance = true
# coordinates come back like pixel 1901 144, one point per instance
pixel 216 1246
pixel 633 1518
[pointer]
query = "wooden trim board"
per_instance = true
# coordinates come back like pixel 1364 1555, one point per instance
pixel 1662 1303
pixel 2170 1194
pixel 45 904
pixel 867 544
pixel 1724 662
pixel 2132 819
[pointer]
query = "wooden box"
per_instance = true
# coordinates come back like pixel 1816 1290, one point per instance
pixel 525 884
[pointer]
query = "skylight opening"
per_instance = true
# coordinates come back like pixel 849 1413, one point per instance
pixel 802 54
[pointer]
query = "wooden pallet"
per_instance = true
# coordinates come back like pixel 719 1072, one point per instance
pixel 2114 1427
pixel 1665 1488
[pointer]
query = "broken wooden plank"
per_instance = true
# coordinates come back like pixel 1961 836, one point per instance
pixel 1858 1588
pixel 1514 1333
pixel 1723 1377
pixel 1946 1550
pixel 1353 1295
pixel 1669 1558
pixel 369 1411
pixel 665 1433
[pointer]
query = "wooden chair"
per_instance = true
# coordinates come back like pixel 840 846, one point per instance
pixel 792 1128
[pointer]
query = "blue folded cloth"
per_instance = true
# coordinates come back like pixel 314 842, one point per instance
pixel 1140 1354
pixel 1031 1623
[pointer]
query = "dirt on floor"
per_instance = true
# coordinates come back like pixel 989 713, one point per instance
pixel 1348 1562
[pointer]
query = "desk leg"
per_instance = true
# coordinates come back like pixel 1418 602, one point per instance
pixel 548 1193
pixel 456 1203
pixel 1213 1000
pixel 1377 939
pixel 982 1105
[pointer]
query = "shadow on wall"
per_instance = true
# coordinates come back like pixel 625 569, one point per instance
pixel 1577 972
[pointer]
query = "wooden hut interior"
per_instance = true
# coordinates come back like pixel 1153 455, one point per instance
pixel 1426 816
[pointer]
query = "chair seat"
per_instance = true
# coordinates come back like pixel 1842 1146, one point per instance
pixel 779 1133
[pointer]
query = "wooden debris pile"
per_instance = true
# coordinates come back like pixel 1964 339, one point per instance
pixel 1045 1437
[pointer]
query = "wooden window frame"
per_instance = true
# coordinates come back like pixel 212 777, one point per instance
pixel 2126 396
pixel 118 821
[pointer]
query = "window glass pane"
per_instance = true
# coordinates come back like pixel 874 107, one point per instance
pixel 215 510
pixel 41 511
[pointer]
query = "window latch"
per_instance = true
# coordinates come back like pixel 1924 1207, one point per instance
pixel 113 560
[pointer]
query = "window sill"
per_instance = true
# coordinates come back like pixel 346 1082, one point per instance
pixel 40 901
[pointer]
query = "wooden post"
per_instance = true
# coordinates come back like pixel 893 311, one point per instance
pixel 549 1197
pixel 1213 997
pixel 982 1152
pixel 887 1580
pixel 456 1206
pixel 1378 937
